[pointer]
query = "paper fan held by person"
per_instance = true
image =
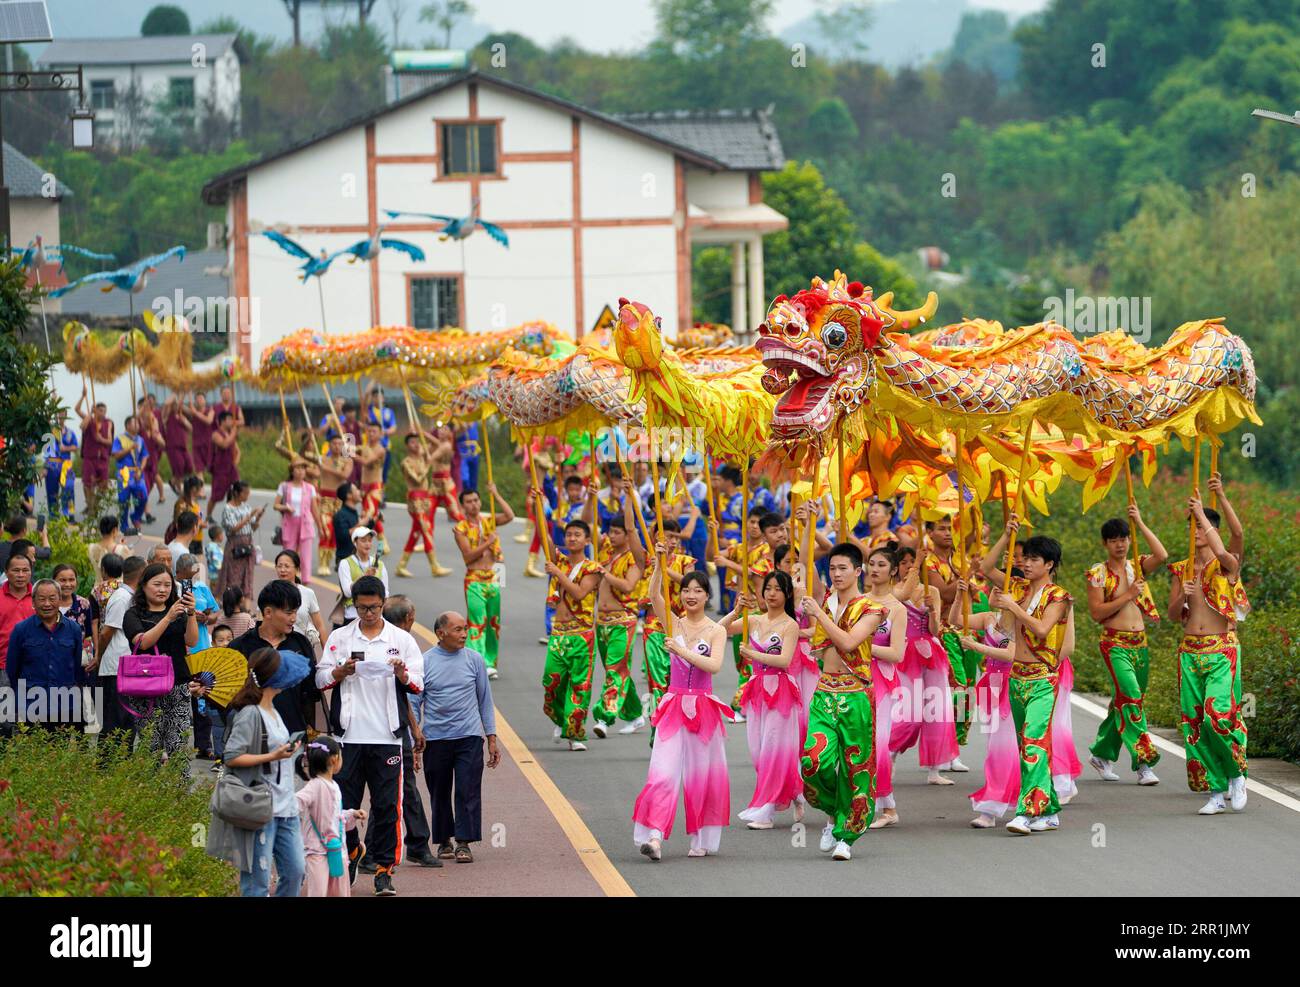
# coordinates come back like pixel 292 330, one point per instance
pixel 225 667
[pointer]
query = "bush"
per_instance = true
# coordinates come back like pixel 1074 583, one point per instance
pixel 75 821
pixel 68 545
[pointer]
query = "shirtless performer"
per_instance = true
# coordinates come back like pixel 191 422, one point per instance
pixel 1120 600
pixel 335 469
pixel 419 503
pixel 480 547
pixel 371 456
pixel 1207 598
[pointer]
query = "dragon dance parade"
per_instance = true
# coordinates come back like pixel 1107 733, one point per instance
pixel 732 449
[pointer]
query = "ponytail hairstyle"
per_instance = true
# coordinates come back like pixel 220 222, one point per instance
pixel 786 585
pixel 262 664
pixel 231 599
pixel 316 756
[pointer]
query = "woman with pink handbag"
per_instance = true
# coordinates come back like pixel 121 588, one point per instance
pixel 161 626
pixel 296 501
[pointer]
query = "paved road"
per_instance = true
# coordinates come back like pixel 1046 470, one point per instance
pixel 1114 838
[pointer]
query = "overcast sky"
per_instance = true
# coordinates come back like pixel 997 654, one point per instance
pixel 603 25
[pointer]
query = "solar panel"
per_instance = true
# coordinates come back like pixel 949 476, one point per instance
pixel 23 21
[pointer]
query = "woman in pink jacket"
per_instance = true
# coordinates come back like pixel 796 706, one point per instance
pixel 299 505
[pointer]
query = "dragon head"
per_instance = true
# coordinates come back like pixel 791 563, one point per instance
pixel 818 347
pixel 638 336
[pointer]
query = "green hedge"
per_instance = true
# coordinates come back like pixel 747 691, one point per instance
pixel 75 821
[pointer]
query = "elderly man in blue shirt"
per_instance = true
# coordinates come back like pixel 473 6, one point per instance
pixel 456 713
pixel 44 663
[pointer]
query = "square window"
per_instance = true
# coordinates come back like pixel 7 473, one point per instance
pixel 434 302
pixel 103 94
pixel 181 92
pixel 469 149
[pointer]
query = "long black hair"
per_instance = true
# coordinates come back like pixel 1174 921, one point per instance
pixel 230 600
pixel 786 585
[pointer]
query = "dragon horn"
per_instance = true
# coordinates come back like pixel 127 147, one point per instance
pixel 912 317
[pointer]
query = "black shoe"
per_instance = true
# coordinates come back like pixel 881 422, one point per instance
pixel 384 884
pixel 130 532
pixel 150 519
pixel 368 866
pixel 424 858
pixel 354 861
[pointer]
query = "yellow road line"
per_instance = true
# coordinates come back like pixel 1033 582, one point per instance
pixel 584 843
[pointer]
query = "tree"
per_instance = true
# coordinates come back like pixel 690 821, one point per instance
pixel 165 19
pixel 445 14
pixel 28 405
pixel 708 29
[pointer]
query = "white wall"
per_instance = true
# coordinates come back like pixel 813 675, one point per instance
pixel 724 188
pixel 623 176
pixel 635 262
pixel 325 185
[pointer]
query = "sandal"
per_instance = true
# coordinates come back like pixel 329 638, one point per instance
pixel 463 854
pixel 445 852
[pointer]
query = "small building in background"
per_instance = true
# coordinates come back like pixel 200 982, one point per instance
pixel 127 80
pixel 35 197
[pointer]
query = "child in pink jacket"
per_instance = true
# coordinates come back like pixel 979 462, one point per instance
pixel 323 820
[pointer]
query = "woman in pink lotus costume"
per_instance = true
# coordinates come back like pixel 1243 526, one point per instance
pixel 1001 788
pixel 771 703
pixel 803 668
pixel 923 715
pixel 689 754
pixel 888 645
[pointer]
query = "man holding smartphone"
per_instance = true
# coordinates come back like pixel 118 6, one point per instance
pixel 367 669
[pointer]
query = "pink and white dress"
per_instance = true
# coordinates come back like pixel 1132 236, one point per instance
pixel 1001 789
pixel 775 722
pixel 1063 758
pixel 924 710
pixel 887 693
pixel 689 756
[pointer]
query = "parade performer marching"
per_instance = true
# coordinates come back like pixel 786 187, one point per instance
pixel 566 676
pixel 657 661
pixel 690 754
pixel 992 703
pixel 60 481
pixel 420 503
pixel 619 604
pixel 924 713
pixel 335 468
pixel 838 763
pixel 130 456
pixel 1207 598
pixel 888 647
pixel 371 456
pixel 1041 612
pixel 1119 599
pixel 940 562
pixel 479 541
pixel 96 445
pixel 770 701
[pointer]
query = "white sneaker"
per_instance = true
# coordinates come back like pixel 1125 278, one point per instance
pixel 1020 826
pixel 556 737
pixel 1237 793
pixel 632 727
pixel 827 843
pixel 543 640
pixel 600 730
pixel 1045 824
pixel 652 849
pixel 1212 807
pixel 577 745
pixel 956 765
pixel 842 851
pixel 1107 773
pixel 1148 777
pixel 740 717
pixel 493 674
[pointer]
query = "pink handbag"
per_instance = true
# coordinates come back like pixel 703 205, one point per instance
pixel 144 677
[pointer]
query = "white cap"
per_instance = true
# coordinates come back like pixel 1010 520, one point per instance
pixel 361 531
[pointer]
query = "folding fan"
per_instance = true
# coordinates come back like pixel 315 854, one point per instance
pixel 224 670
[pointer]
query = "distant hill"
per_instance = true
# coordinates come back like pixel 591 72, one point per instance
pixel 901 32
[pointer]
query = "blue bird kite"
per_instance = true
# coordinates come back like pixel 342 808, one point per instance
pixel 36 254
pixel 315 265
pixel 458 227
pixel 131 278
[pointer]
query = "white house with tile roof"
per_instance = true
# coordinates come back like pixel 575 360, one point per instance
pixel 595 207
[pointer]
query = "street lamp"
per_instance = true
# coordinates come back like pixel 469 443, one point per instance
pixel 1281 117
pixel 83 127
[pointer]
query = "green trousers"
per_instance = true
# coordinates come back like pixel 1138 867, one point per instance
pixel 1032 704
pixel 483 615
pixel 965 673
pixel 566 683
pixel 620 699
pixel 839 761
pixel 1213 730
pixel 1128 660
